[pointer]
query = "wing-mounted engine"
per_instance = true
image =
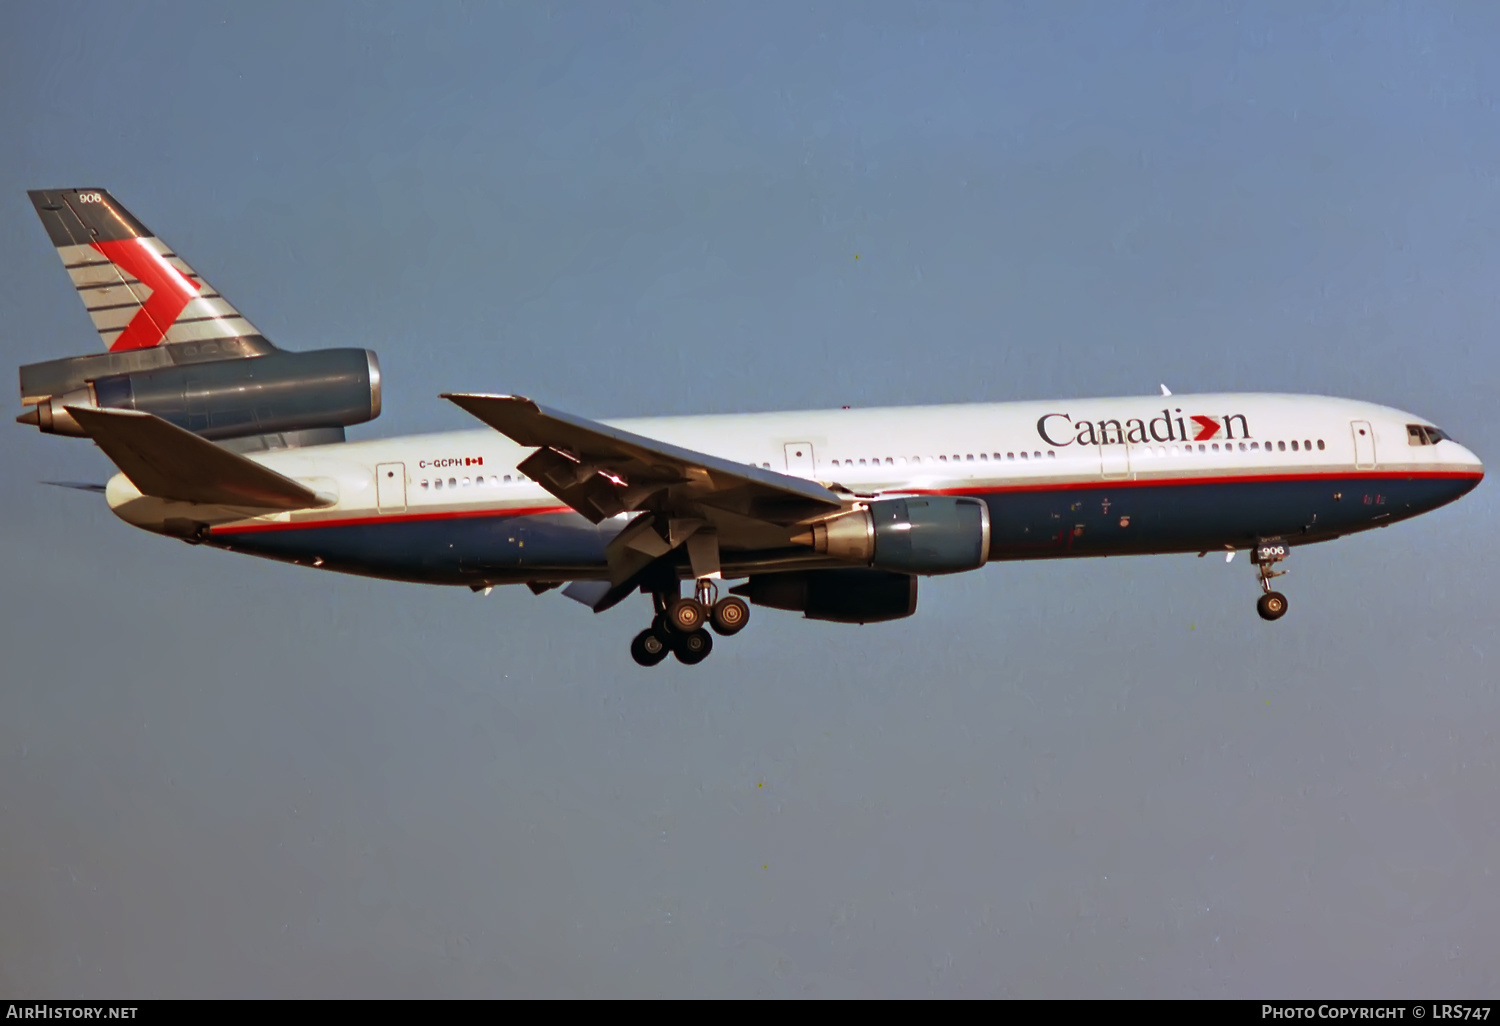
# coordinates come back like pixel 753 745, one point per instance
pixel 938 534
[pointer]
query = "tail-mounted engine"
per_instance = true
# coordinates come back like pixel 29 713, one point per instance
pixel 217 399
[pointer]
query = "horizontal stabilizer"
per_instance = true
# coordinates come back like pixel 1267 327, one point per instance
pixel 168 462
pixel 82 486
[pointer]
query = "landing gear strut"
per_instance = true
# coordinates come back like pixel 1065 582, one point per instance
pixel 1272 605
pixel 678 628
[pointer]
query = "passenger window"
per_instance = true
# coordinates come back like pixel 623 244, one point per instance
pixel 1037 455
pixel 1010 455
pixel 1023 455
pixel 437 483
pixel 889 461
pixel 861 463
pixel 1051 454
pixel 424 484
pixel 984 457
pixel 942 459
pixel 1320 445
pixel 1306 445
pixel 969 458
pixel 1243 447
pixel 452 483
pixel 1281 447
pixel 1294 445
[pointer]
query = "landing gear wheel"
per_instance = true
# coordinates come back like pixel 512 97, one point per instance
pixel 691 649
pixel 729 616
pixel 649 647
pixel 1272 606
pixel 685 615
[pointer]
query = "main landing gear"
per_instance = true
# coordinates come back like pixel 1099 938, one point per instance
pixel 1272 605
pixel 678 628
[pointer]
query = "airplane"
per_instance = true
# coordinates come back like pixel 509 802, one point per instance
pixel 221 439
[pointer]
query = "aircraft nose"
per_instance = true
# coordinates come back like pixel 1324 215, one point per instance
pixel 1467 457
pixel 1470 469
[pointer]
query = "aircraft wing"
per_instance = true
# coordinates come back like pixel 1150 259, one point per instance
pixel 169 462
pixel 602 471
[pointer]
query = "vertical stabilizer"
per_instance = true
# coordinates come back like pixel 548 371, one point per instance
pixel 138 292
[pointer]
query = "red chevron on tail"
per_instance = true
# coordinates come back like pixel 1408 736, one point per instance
pixel 170 292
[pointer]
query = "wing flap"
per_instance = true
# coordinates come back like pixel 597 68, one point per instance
pixel 168 462
pixel 601 471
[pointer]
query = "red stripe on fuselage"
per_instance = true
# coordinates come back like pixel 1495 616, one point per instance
pixel 388 518
pixel 1095 483
pixel 1056 486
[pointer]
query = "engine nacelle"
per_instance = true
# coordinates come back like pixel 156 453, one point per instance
pixel 277 392
pixel 856 595
pixel 938 534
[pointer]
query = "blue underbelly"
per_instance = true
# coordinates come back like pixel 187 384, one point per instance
pixel 1096 519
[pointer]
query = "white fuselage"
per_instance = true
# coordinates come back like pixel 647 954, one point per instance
pixel 891 450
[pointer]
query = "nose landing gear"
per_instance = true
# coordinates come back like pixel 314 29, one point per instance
pixel 1272 605
pixel 679 626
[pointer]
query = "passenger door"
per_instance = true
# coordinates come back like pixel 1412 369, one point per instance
pixel 1114 461
pixel 1364 444
pixel 799 459
pixel 390 487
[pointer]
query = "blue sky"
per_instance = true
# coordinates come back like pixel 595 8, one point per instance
pixel 1103 778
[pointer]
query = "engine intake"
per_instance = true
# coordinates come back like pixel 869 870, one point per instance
pixel 938 534
pixel 277 392
pixel 856 595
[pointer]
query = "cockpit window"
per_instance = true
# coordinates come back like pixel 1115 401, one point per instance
pixel 1425 434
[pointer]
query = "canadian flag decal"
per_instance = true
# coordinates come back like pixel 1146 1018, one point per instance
pixel 1207 427
pixel 170 292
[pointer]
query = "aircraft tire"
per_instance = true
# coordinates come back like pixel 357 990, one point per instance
pixel 1272 606
pixel 729 616
pixel 691 649
pixel 649 647
pixel 685 615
